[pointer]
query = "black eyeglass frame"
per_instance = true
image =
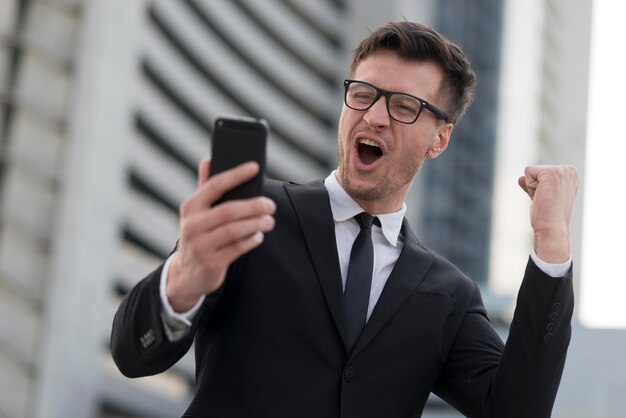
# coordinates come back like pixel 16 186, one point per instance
pixel 439 114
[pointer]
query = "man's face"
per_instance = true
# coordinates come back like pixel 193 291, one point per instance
pixel 378 156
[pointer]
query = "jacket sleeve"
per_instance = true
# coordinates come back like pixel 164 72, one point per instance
pixel 483 378
pixel 138 342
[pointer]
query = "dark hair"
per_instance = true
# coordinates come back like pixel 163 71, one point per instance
pixel 414 41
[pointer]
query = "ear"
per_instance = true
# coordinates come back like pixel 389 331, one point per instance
pixel 440 143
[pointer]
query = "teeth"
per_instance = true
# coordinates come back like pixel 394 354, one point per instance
pixel 368 142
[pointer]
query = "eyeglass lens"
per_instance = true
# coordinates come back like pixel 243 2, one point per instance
pixel 401 107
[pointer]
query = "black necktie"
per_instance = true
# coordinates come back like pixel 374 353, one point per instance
pixel 359 281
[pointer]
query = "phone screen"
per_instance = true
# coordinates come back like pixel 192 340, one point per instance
pixel 236 141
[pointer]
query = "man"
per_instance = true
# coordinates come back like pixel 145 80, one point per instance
pixel 282 324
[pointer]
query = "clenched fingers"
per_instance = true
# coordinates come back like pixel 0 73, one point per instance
pixel 208 219
pixel 231 233
pixel 215 186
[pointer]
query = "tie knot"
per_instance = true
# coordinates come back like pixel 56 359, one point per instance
pixel 366 220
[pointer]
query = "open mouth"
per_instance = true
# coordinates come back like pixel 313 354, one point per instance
pixel 369 152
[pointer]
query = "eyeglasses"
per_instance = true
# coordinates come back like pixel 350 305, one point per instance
pixel 401 107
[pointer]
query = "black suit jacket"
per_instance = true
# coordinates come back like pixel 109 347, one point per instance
pixel 271 342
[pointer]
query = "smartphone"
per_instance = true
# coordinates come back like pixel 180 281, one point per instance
pixel 237 140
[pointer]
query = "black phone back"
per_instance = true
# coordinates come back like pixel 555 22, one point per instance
pixel 236 141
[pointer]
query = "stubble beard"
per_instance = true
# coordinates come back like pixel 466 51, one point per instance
pixel 384 188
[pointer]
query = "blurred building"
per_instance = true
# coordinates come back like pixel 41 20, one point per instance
pixel 455 215
pixel 107 106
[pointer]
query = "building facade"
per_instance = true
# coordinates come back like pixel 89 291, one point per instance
pixel 107 107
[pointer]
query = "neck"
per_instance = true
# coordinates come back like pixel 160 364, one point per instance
pixel 377 206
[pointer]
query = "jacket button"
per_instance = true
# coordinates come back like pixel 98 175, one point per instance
pixel 554 316
pixel 548 338
pixel 556 306
pixel 350 374
pixel 550 327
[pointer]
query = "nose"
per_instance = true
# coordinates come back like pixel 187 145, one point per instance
pixel 377 116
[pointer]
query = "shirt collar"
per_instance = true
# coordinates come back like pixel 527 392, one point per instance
pixel 344 207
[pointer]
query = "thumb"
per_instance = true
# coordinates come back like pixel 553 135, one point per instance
pixel 203 171
pixel 522 183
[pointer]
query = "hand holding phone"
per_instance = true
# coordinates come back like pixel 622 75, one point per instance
pixel 212 236
pixel 236 141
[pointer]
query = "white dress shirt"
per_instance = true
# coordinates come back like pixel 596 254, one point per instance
pixel 387 240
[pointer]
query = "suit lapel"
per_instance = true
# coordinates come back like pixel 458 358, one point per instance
pixel 408 272
pixel 312 207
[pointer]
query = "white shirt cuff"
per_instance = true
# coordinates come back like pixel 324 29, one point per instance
pixel 176 325
pixel 551 269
